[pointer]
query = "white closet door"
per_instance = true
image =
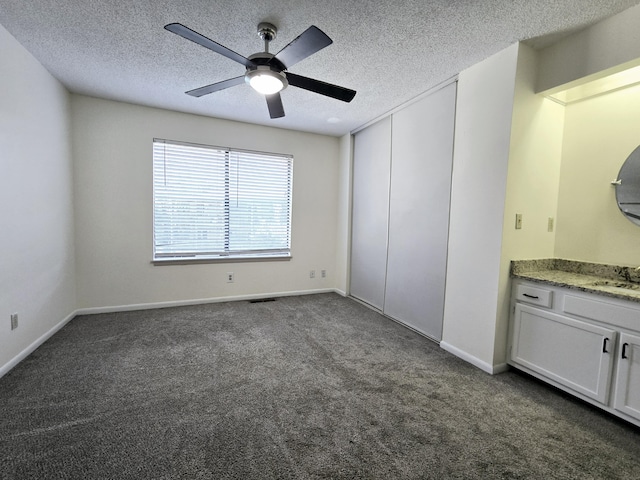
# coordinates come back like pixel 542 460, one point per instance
pixel 370 214
pixel 422 153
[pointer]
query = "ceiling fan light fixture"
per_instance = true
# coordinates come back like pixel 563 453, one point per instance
pixel 266 81
pixel 265 72
pixel 266 84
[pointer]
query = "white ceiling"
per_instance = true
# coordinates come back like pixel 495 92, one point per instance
pixel 389 52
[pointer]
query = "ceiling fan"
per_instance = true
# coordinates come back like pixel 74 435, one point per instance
pixel 265 72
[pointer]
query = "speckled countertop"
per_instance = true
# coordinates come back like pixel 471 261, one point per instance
pixel 609 280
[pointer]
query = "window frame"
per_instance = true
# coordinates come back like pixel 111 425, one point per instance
pixel 253 255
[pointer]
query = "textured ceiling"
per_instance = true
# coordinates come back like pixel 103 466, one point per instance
pixel 388 51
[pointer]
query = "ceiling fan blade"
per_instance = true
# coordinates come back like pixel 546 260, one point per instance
pixel 195 37
pixel 307 43
pixel 214 87
pixel 274 102
pixel 323 88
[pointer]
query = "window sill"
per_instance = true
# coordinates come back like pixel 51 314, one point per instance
pixel 227 259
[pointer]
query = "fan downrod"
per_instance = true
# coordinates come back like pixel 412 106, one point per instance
pixel 267 32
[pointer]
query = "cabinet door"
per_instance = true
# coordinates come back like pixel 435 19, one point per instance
pixel 370 212
pixel 627 386
pixel 572 353
pixel 422 156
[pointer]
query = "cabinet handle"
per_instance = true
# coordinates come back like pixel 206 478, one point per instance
pixel 624 350
pixel 604 345
pixel 530 296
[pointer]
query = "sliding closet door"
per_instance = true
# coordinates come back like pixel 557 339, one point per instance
pixel 422 153
pixel 370 215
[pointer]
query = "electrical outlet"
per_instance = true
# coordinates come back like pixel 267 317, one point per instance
pixel 312 274
pixel 550 224
pixel 323 273
pixel 230 277
pixel 518 221
pixel 14 321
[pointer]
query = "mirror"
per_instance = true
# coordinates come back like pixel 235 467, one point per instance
pixel 628 187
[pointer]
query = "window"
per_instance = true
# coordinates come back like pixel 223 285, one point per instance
pixel 214 202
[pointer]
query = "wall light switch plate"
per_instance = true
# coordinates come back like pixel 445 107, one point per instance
pixel 518 221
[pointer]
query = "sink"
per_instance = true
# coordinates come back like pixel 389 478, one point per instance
pixel 617 285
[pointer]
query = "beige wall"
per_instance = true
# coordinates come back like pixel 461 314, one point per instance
pixel 534 165
pixel 113 188
pixel 562 159
pixel 532 183
pixel 37 274
pixel 599 134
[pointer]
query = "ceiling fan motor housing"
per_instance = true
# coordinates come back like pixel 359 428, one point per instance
pixel 266 59
pixel 267 31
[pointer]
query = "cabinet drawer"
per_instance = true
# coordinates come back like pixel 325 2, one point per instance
pixel 601 311
pixel 534 295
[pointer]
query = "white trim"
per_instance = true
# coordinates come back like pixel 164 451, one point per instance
pixel 407 103
pixel 500 368
pixel 482 365
pixel 395 320
pixel 147 306
pixel 31 348
pixel 368 305
pixel 491 369
pixel 198 301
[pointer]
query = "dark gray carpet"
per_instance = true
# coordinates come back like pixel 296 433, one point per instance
pixel 303 387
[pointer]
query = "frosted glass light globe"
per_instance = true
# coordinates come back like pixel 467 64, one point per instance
pixel 266 83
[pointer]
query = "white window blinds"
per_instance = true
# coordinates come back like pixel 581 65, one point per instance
pixel 211 202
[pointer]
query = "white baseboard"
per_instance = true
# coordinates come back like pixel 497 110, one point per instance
pixel 491 369
pixel 146 306
pixel 500 368
pixel 31 348
pixel 198 301
pixel 475 361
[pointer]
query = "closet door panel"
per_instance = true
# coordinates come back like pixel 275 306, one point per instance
pixel 422 153
pixel 370 215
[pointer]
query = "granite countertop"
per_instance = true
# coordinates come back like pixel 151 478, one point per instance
pixel 615 281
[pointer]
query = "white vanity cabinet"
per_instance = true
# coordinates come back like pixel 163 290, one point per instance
pixel 627 383
pixel 573 353
pixel 583 343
